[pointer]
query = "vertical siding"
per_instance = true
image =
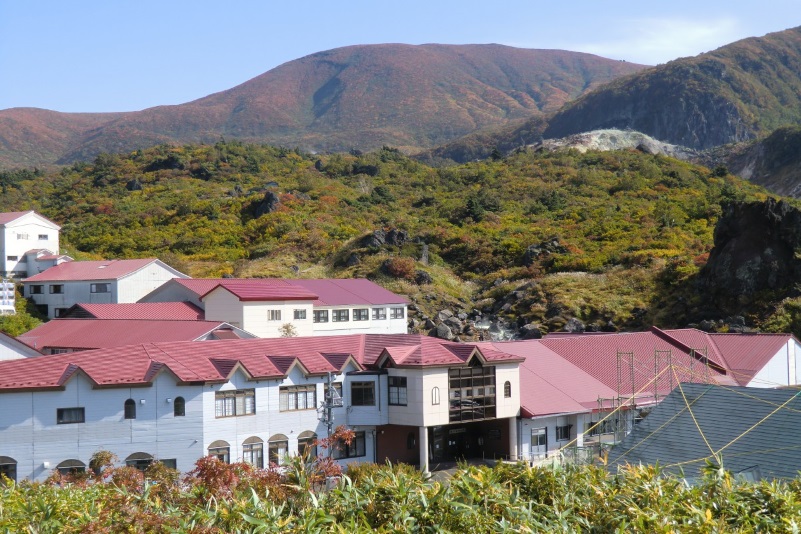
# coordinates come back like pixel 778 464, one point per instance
pixel 31 435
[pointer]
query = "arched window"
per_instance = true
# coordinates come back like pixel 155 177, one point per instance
pixel 221 450
pixel 307 444
pixel 253 451
pixel 139 460
pixel 179 407
pixel 68 467
pixel 507 389
pixel 130 409
pixel 278 448
pixel 8 468
pixel 435 395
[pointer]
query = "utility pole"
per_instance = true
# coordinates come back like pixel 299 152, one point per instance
pixel 332 400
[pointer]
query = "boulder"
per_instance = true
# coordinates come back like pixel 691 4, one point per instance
pixel 444 314
pixel 530 331
pixel 574 325
pixel 442 331
pixel 267 205
pixel 374 240
pixel 422 277
pixel 353 260
pixel 396 237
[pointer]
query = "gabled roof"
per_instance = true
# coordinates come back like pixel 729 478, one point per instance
pixel 93 270
pixel 214 361
pixel 597 355
pixel 11 216
pixel 405 350
pixel 151 311
pixel 745 354
pixel 327 291
pixel 263 290
pixel 549 384
pixel 104 333
pixel 755 430
pixel 22 349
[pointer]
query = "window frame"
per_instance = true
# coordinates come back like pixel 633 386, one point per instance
pixel 320 316
pixel 253 452
pixel 274 315
pixel 97 286
pixel 44 237
pixel 379 314
pixel 356 449
pixel 289 398
pixel 507 390
pixel 56 289
pixel 176 403
pixel 36 289
pixel 63 419
pixel 244 398
pixel 398 392
pixel 299 315
pixel 129 409
pixel 397 313
pixel 337 315
pixel 366 395
pixel 361 314
pixel 12 258
pixel 274 455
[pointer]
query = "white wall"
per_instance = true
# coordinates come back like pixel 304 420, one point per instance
pixel 133 287
pixel 781 369
pixel 370 326
pixel 22 235
pixel 11 349
pixel 577 422
pixel 173 292
pixel 31 435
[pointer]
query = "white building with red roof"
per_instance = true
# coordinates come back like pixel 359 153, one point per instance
pixel 23 233
pixel 407 398
pixel 58 288
pixel 318 307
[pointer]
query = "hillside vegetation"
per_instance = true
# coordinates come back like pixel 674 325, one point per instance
pixel 600 236
pixel 218 498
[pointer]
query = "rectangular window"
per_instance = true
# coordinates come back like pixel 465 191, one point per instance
pixel 100 288
pixel 361 314
pixel 300 314
pixel 36 289
pixel 292 398
pixel 379 314
pixel 43 237
pixel 67 416
pixel 396 313
pixel 235 403
pixel 356 448
pixel 172 463
pixel 336 399
pixel 22 236
pixel 56 289
pixel 320 316
pixel 471 393
pixel 341 316
pixel 362 393
pixel 12 258
pixel 563 432
pixel 60 351
pixel 273 315
pixel 397 390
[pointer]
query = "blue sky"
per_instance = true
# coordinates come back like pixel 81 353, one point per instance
pixel 124 55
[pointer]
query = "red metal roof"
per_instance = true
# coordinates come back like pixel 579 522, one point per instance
pixel 90 270
pixel 152 311
pixel 328 291
pixel 747 354
pixel 104 333
pixel 264 289
pixel 9 216
pixel 214 360
pixel 349 292
pixel 597 355
pixel 549 384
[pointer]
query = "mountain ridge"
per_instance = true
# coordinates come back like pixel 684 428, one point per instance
pixel 362 96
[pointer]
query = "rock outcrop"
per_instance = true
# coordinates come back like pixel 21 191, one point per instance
pixel 756 247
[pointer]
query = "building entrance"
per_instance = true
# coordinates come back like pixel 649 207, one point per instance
pixel 452 443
